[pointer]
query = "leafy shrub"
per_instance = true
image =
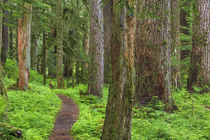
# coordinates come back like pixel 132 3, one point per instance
pixel 33 111
pixel 11 68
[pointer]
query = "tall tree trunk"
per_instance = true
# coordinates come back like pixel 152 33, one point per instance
pixel 200 54
pixel 175 45
pixel 96 67
pixel 59 39
pixel 11 49
pixel 44 58
pixel 118 120
pixel 5 36
pixel 34 51
pixel 3 92
pixel 24 46
pixel 154 53
pixel 107 40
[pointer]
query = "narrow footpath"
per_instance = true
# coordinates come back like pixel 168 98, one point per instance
pixel 65 119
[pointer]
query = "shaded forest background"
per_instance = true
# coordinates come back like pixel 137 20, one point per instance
pixel 127 64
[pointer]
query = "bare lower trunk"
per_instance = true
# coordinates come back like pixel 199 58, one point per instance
pixel 107 40
pixel 154 53
pixel 200 54
pixel 96 66
pixel 118 120
pixel 5 36
pixel 44 58
pixel 24 46
pixel 59 43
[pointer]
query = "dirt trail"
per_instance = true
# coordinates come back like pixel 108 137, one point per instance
pixel 65 119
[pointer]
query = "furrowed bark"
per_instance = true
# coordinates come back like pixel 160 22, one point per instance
pixel 200 53
pixel 96 49
pixel 118 120
pixel 24 46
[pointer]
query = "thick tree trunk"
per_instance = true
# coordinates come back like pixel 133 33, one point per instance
pixel 175 45
pixel 5 36
pixel 59 39
pixel 118 120
pixel 154 53
pixel 24 46
pixel 96 67
pixel 107 40
pixel 3 92
pixel 200 54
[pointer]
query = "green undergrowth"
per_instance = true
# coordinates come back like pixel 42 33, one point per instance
pixel 190 121
pixel 33 111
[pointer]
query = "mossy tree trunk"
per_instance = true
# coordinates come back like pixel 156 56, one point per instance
pixel 107 40
pixel 59 45
pixel 118 120
pixel 175 44
pixel 24 46
pixel 200 53
pixel 3 92
pixel 5 35
pixel 153 46
pixel 96 49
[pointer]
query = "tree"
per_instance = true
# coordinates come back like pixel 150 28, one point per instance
pixel 96 50
pixel 175 44
pixel 5 35
pixel 117 125
pixel 153 50
pixel 200 53
pixel 107 40
pixel 24 46
pixel 59 45
pixel 3 92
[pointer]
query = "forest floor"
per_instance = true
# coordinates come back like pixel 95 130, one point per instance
pixel 65 119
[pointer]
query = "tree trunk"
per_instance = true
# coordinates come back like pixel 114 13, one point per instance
pixel 200 54
pixel 96 67
pixel 24 46
pixel 154 53
pixel 44 58
pixel 118 120
pixel 175 45
pixel 107 40
pixel 5 36
pixel 34 52
pixel 11 49
pixel 59 39
pixel 3 92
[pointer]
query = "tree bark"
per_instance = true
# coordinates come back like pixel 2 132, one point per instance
pixel 175 45
pixel 107 40
pixel 5 36
pixel 118 120
pixel 3 92
pixel 24 46
pixel 200 53
pixel 96 67
pixel 34 52
pixel 11 49
pixel 44 58
pixel 59 44
pixel 153 44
